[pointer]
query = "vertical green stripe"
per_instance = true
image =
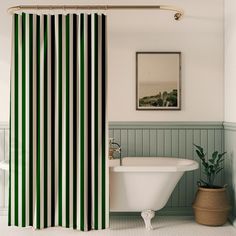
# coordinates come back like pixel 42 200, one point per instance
pixel 38 207
pixel 96 121
pixel 67 120
pixel 16 119
pixel 23 117
pixel 31 176
pixel 82 122
pixel 60 120
pixel 45 121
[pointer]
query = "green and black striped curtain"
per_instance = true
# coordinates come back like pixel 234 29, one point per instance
pixel 58 164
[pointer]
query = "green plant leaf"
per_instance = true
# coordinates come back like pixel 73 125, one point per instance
pixel 221 155
pixel 204 182
pixel 200 154
pixel 219 170
pixel 199 148
pixel 211 167
pixel 214 155
pixel 212 161
pixel 205 165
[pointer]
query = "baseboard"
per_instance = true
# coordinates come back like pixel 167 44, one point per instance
pixel 176 211
pixel 3 211
pixel 167 211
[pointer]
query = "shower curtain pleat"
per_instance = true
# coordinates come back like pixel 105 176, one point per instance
pixel 58 124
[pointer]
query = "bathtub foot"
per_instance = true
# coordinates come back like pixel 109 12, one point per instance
pixel 147 215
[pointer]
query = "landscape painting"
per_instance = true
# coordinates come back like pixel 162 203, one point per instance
pixel 158 80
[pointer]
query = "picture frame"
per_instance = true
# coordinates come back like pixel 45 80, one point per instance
pixel 158 80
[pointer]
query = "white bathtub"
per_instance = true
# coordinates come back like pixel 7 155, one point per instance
pixel 145 184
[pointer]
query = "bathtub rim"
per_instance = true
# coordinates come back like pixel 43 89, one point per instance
pixel 193 165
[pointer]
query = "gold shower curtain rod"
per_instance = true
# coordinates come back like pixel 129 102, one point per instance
pixel 178 12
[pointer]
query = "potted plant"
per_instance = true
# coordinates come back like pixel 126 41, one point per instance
pixel 211 205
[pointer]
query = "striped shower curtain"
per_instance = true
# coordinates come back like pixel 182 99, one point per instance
pixel 58 170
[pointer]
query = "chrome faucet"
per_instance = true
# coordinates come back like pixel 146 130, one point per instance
pixel 113 149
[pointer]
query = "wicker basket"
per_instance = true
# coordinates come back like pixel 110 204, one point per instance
pixel 211 206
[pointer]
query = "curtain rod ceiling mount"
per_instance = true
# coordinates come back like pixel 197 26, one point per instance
pixel 177 16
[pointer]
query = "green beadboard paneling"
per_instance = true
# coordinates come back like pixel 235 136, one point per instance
pixel 4 149
pixel 183 180
pixel 160 142
pixel 197 173
pixel 138 143
pixel 230 164
pixel 175 153
pixel 168 142
pixel 190 180
pixel 124 141
pixel 218 143
pixel 131 142
pixel 153 143
pixel 146 142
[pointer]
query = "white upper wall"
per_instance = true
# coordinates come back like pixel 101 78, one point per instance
pixel 199 36
pixel 230 60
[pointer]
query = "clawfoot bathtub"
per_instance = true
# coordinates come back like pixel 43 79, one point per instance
pixel 145 184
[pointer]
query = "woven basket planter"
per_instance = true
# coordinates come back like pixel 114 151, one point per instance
pixel 211 206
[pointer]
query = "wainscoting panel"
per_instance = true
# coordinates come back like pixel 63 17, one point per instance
pixel 171 139
pixel 230 164
pixel 145 139
pixel 4 155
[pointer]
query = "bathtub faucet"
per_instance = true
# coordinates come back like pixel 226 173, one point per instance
pixel 113 149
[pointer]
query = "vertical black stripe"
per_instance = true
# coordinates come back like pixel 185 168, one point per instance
pixel 89 121
pixel 45 93
pixel 96 127
pixel 23 121
pixel 31 176
pixel 67 120
pixel 38 172
pixel 103 122
pixel 53 120
pixel 82 80
pixel 75 121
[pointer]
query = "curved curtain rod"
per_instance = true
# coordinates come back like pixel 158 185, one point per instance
pixel 177 16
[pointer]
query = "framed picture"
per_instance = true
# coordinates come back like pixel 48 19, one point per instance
pixel 158 80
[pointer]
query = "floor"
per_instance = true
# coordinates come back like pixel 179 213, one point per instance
pixel 131 226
